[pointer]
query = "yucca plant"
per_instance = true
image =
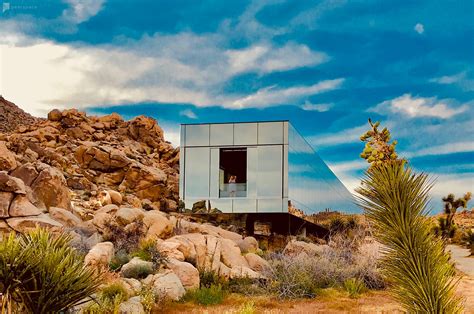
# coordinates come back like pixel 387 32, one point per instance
pixel 42 273
pixel 395 202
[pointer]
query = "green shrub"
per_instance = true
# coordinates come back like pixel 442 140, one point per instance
pixel 104 306
pixel 114 290
pixel 127 239
pixel 469 238
pixel 41 273
pixel 354 287
pixel 120 258
pixel 247 308
pixel 108 300
pixel 148 298
pixel 292 277
pixel 245 286
pixel 206 295
pixel 148 251
pixel 208 278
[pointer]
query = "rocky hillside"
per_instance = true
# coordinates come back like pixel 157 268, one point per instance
pixel 11 116
pixel 112 184
pixel 71 160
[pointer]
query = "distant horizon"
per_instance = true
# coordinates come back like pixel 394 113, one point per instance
pixel 326 66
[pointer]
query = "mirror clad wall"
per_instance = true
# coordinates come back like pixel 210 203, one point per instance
pixel 256 167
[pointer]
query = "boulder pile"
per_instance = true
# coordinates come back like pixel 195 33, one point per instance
pixel 90 176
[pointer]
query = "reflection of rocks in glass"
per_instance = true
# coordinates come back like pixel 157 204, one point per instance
pixel 295 211
pixel 200 208
pixel 262 228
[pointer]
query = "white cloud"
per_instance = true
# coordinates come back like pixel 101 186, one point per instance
pixel 458 184
pixel 461 79
pixel 448 148
pixel 351 135
pixel 179 68
pixel 172 135
pixel 419 28
pixel 419 107
pixel 82 10
pixel 346 166
pixel 316 107
pixel 188 113
pixel 449 79
pixel 265 59
pixel 272 95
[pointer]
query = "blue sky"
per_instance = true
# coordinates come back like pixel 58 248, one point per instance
pixel 325 65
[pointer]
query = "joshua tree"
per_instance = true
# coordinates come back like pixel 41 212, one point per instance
pixel 378 148
pixel 447 227
pixel 395 202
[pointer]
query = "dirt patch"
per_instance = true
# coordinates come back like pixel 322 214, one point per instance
pixel 330 301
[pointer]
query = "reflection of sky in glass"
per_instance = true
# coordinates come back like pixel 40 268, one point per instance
pixel 313 187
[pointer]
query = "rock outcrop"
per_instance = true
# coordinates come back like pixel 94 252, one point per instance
pixel 12 117
pixel 102 180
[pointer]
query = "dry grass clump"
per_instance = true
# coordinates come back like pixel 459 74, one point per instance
pixel 345 258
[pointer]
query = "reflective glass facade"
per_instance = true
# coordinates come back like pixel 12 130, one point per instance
pixel 313 187
pixel 280 171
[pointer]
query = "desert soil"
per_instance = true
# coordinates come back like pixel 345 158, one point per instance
pixel 336 301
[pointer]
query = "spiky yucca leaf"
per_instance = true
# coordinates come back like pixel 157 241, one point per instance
pixel 395 201
pixel 43 273
pixel 60 280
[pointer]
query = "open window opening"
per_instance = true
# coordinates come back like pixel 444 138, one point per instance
pixel 233 172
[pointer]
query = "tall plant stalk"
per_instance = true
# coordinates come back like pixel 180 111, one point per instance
pixel 395 201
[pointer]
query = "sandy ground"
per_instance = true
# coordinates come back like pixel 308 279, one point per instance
pixel 337 301
pixel 464 262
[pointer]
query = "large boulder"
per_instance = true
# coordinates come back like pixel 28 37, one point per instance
pixel 132 285
pixel 213 254
pixel 7 158
pixel 187 273
pixel 147 182
pixel 132 306
pixel 26 172
pixel 25 224
pixel 11 184
pixel 248 244
pixel 65 217
pixel 137 268
pixel 4 228
pixel 170 250
pixel 51 188
pixel 115 197
pixel 21 207
pixel 158 224
pixel 102 158
pixel 186 246
pixel 256 263
pixel 54 115
pixel 231 255
pixel 295 248
pixel 100 255
pixel 126 215
pixel 166 283
pixel 100 220
pixel 243 272
pixel 146 130
pixel 5 200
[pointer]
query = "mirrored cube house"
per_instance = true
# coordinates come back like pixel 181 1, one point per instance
pixel 265 170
